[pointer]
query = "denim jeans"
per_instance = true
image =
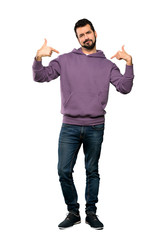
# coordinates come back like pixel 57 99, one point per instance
pixel 70 139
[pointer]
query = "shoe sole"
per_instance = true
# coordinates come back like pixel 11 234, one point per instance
pixel 98 228
pixel 62 228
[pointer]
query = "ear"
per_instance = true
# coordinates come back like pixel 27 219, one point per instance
pixel 95 34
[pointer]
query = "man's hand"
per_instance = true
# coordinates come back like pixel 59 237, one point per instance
pixel 45 51
pixel 123 55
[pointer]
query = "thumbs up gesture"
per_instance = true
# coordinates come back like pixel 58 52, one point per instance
pixel 45 51
pixel 123 55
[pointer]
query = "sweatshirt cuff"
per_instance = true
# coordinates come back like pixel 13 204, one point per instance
pixel 37 65
pixel 129 70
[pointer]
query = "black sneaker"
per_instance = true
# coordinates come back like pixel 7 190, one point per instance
pixel 70 220
pixel 93 221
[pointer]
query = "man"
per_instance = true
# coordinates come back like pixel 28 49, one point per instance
pixel 85 76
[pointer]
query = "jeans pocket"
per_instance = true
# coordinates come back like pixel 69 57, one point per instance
pixel 99 126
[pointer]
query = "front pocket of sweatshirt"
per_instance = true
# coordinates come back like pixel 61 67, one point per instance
pixel 83 104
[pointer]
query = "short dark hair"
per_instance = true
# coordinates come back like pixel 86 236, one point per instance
pixel 81 23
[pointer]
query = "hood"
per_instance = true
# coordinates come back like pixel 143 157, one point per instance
pixel 98 54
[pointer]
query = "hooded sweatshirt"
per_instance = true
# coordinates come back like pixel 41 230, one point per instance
pixel 84 83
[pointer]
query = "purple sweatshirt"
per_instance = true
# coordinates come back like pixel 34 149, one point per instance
pixel 84 82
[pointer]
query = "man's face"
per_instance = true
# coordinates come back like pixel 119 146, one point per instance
pixel 86 37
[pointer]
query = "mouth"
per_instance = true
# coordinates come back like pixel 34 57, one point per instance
pixel 88 41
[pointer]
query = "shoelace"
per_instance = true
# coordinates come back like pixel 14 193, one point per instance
pixel 70 215
pixel 95 217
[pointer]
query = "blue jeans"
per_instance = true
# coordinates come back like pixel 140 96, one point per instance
pixel 70 139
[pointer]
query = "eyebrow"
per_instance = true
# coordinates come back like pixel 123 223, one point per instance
pixel 83 33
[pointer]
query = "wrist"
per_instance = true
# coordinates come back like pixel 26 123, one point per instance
pixel 38 56
pixel 129 60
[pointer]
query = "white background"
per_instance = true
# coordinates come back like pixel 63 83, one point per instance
pixel 31 202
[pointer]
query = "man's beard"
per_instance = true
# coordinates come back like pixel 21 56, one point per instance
pixel 89 47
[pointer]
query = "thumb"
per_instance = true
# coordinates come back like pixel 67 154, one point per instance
pixel 123 49
pixel 45 42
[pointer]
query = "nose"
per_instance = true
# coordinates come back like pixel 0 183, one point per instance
pixel 86 37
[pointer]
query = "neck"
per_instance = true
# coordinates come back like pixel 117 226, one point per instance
pixel 89 51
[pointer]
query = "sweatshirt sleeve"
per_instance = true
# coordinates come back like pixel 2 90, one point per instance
pixel 46 74
pixel 123 83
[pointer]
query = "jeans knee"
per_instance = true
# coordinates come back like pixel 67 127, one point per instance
pixel 92 174
pixel 64 173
